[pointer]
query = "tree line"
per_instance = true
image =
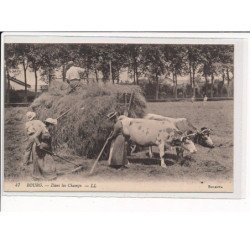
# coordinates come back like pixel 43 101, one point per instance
pixel 141 60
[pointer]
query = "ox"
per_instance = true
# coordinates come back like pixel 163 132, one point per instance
pixel 145 132
pixel 201 137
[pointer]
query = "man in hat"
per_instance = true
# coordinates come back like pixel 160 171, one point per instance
pixel 73 76
pixel 118 149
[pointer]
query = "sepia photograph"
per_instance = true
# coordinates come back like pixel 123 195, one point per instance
pixel 140 116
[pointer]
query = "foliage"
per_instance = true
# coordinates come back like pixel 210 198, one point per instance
pixel 107 61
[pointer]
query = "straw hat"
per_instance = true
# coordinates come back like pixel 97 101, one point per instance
pixel 111 115
pixel 51 121
pixel 30 115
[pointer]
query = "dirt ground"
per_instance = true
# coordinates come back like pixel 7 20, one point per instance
pixel 207 164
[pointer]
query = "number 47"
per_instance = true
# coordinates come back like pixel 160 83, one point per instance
pixel 17 184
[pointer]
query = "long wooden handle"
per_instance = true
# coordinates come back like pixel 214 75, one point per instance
pixel 130 101
pixel 97 159
pixel 63 114
pixel 49 152
pixel 70 171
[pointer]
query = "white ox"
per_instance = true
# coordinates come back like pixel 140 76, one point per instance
pixel 163 134
pixel 180 123
pixel 201 137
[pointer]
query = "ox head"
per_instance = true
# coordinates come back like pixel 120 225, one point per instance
pixel 203 137
pixel 185 142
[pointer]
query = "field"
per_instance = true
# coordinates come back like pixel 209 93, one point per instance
pixel 206 165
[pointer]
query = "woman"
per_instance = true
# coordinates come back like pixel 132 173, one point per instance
pixel 118 149
pixel 41 147
pixel 29 127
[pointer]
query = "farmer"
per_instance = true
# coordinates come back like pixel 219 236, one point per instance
pixel 41 147
pixel 193 99
pixel 73 76
pixel 205 99
pixel 118 149
pixel 30 127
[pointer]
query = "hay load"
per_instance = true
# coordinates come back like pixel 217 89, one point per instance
pixel 85 127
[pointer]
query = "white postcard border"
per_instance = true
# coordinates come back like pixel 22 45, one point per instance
pixel 240 118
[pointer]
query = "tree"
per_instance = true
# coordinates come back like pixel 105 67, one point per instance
pixel 22 50
pixel 49 61
pixel 210 59
pixel 96 61
pixel 153 64
pixel 119 60
pixel 134 59
pixel 110 59
pixel 35 61
pixel 11 63
pixel 226 57
pixel 174 56
pixel 95 58
pixel 66 53
pixel 193 60
pixel 84 58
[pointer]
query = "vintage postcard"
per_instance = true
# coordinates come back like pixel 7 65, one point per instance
pixel 151 115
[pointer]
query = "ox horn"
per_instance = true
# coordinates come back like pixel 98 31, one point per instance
pixel 189 135
pixel 206 130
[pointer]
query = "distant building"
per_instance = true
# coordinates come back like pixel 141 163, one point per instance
pixel 16 84
pixel 15 91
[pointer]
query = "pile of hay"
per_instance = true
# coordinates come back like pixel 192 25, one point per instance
pixel 85 128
